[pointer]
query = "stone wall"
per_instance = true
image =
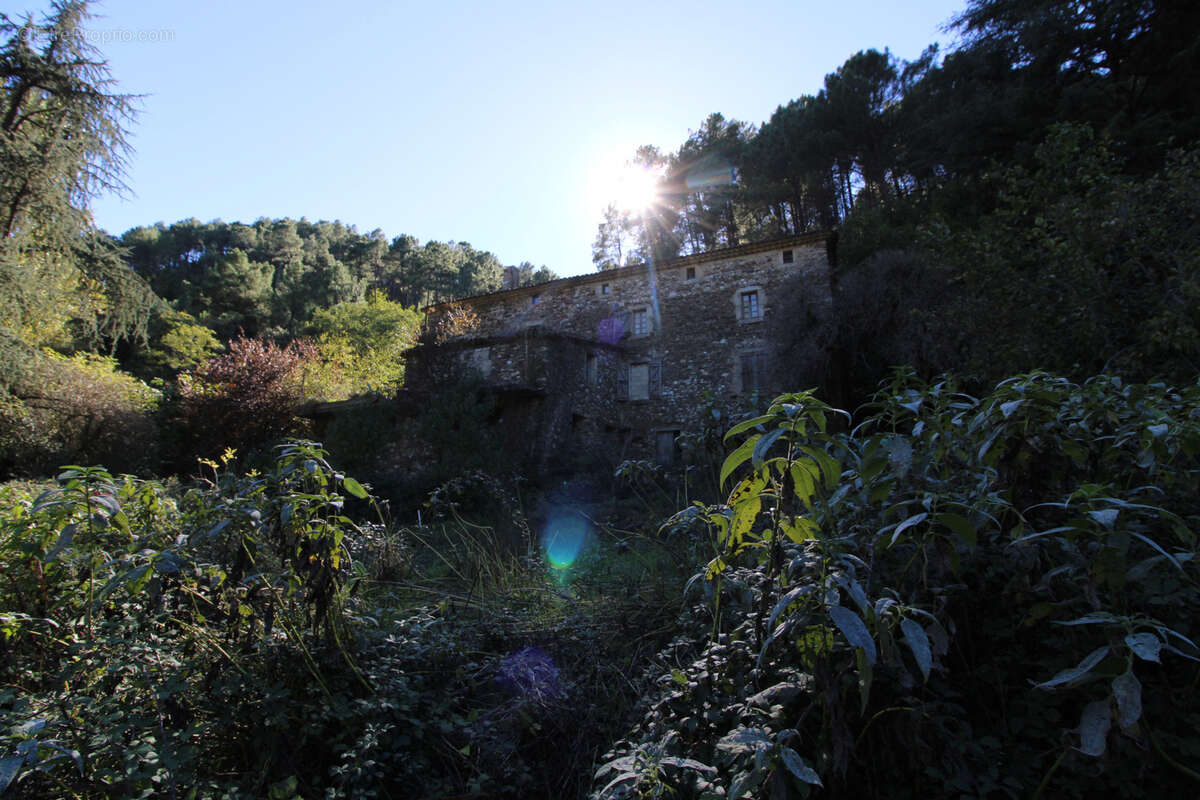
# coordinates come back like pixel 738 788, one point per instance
pixel 619 359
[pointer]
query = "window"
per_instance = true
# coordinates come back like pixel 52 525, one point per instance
pixel 750 308
pixel 605 288
pixel 689 274
pixel 639 322
pixel 788 257
pixel 666 449
pixel 639 381
pixel 749 304
pixel 480 360
pixel 591 370
pixel 533 300
pixel 752 372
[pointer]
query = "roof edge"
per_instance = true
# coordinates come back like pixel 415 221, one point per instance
pixel 633 269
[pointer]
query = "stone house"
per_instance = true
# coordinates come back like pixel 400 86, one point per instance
pixel 614 364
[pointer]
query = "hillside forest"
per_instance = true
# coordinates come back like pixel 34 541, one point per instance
pixel 964 565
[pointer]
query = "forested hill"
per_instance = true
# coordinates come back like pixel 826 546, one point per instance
pixel 269 277
pixel 884 134
pixel 1024 201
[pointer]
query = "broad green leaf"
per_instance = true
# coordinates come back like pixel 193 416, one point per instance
pixel 1076 673
pixel 1093 727
pixel 830 467
pixel 880 492
pixel 1075 451
pixel 1157 431
pixel 354 487
pixel 715 568
pixel 799 529
pixel 64 541
pixel 855 590
pixel 854 629
pixel 763 445
pixel 960 526
pixel 689 763
pixel 918 642
pixel 746 488
pixel 738 456
pixel 783 603
pixel 1127 690
pixel 30 727
pixel 121 522
pixel 1008 408
pixel 795 765
pixel 743 740
pixel 746 425
pixel 803 482
pixel 745 514
pixel 1145 646
pixel 9 767
pixel 915 519
pixel 1155 545
pixel 136 579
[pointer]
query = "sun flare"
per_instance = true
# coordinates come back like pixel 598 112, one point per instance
pixel 630 188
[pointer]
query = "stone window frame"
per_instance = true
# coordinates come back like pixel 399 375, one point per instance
pixel 653 380
pixel 641 313
pixel 691 274
pixel 533 299
pixel 761 355
pixel 761 302
pixel 604 289
pixel 789 256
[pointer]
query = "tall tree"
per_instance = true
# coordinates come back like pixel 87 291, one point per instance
pixel 616 239
pixel 62 142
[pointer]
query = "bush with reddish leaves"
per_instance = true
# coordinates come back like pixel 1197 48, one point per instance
pixel 245 399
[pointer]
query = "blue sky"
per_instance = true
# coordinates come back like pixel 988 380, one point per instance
pixel 491 123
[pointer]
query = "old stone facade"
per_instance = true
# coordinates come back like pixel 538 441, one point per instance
pixel 616 362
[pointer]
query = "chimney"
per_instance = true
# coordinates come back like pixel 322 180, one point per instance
pixel 512 278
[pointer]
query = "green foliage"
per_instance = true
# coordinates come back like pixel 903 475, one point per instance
pixel 180 344
pixel 273 276
pixel 960 597
pixel 1083 267
pixel 135 624
pixel 363 345
pixel 246 638
pixel 62 142
pixel 55 408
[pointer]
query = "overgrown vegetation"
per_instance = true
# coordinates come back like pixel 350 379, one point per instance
pixel 979 586
pixel 960 597
pixel 246 638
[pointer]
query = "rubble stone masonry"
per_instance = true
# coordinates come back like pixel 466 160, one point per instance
pixel 602 365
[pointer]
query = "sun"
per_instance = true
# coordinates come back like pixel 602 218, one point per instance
pixel 629 187
pixel 634 188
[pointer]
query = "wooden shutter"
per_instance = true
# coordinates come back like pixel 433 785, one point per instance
pixel 655 378
pixel 622 381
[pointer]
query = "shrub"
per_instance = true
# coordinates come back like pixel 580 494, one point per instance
pixel 56 409
pixel 246 398
pixel 962 597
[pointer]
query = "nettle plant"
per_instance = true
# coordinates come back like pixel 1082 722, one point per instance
pixel 134 624
pixel 962 596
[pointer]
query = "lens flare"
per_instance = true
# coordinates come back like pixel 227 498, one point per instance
pixel 563 538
